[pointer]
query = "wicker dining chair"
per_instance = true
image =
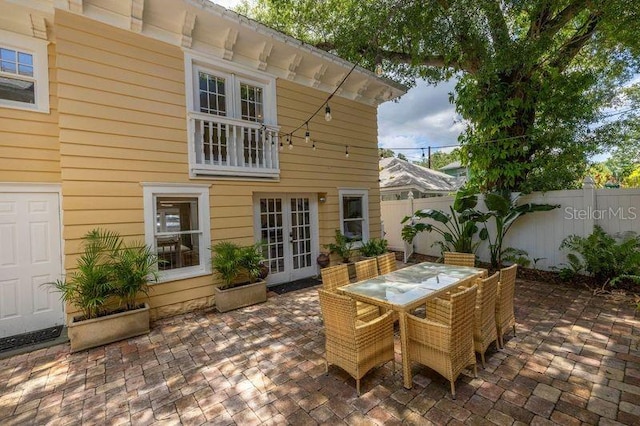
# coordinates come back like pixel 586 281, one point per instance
pixel 484 330
pixel 459 259
pixel 337 276
pixel 387 263
pixel 443 341
pixel 334 277
pixel 505 316
pixel 352 345
pixel 366 269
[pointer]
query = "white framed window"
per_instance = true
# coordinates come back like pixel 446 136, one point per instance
pixel 24 73
pixel 354 214
pixel 230 91
pixel 232 119
pixel 177 227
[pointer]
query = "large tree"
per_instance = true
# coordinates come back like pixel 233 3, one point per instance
pixel 532 74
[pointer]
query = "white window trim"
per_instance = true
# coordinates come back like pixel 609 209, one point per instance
pixel 234 75
pixel 152 190
pixel 38 48
pixel 364 193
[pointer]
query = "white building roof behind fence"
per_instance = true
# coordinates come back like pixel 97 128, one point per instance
pixel 397 173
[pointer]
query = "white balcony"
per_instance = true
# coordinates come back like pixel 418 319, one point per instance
pixel 222 146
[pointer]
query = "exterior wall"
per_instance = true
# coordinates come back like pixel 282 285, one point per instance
pixel 29 149
pixel 123 122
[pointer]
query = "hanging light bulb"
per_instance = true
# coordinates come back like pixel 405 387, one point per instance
pixel 314 145
pixel 280 147
pixel 327 112
pixel 423 154
pixel 346 151
pixel 290 142
pixel 307 135
pixel 381 153
pixel 379 70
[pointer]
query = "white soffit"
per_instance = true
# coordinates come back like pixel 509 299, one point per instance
pixel 215 31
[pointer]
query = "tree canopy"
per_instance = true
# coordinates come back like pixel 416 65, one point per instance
pixel 532 74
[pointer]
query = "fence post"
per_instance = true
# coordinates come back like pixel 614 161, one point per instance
pixel 590 204
pixel 409 248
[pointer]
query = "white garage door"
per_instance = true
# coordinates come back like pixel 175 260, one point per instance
pixel 29 257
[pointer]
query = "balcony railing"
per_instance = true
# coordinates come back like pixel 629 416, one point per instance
pixel 229 147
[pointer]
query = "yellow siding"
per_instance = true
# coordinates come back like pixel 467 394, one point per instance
pixel 123 122
pixel 29 149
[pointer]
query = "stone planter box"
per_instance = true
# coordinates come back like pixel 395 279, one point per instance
pixel 240 296
pixel 108 329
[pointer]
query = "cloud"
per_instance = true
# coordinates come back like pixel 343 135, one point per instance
pixel 423 117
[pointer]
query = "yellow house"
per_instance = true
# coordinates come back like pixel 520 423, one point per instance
pixel 171 122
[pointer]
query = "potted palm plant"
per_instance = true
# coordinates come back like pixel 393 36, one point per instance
pixel 109 277
pixel 240 269
pixel 343 248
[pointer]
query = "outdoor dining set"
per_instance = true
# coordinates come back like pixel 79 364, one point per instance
pixel 465 311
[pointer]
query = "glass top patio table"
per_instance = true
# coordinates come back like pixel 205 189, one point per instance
pixel 405 287
pixel 408 288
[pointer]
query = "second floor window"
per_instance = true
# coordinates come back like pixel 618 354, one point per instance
pixel 24 73
pixel 230 95
pixel 16 76
pixel 232 120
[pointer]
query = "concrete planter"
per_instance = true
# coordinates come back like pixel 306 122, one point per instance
pixel 240 296
pixel 108 329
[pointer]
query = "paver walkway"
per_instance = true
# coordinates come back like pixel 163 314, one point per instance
pixel 575 360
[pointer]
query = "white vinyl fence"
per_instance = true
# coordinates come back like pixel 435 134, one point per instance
pixel 539 233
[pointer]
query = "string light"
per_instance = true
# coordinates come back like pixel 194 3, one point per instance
pixel 346 151
pixel 379 70
pixel 327 117
pixel 422 154
pixel 327 112
pixel 280 147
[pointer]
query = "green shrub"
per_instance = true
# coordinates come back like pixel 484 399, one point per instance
pixel 607 259
pixel 374 247
pixel 342 247
pixel 516 256
pixel 457 227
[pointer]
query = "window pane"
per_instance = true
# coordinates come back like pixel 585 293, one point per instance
pixel 8 55
pixel 352 207
pixel 25 58
pixel 16 90
pixel 6 66
pixel 251 102
pixel 26 70
pixel 212 88
pixel 353 230
pixel 177 219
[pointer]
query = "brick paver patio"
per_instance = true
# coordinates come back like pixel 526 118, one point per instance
pixel 575 360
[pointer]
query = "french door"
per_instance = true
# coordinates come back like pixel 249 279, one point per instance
pixel 287 225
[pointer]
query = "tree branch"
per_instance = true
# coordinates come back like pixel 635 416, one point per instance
pixel 576 43
pixel 497 24
pixel 541 19
pixel 550 27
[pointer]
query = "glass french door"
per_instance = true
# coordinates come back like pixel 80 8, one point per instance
pixel 287 226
